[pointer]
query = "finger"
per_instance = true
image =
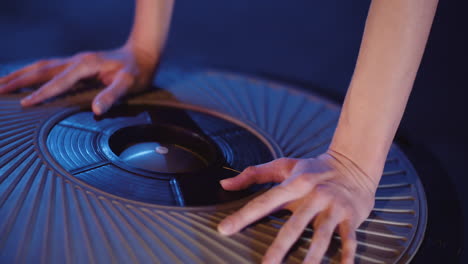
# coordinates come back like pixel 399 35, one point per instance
pixel 24 70
pixel 273 171
pixel 257 208
pixel 104 100
pixel 348 242
pixel 60 83
pixel 323 231
pixel 33 77
pixel 291 231
pixel 107 77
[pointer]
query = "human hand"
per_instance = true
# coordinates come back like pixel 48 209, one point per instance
pixel 122 71
pixel 330 191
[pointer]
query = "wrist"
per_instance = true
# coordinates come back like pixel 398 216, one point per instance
pixel 363 138
pixel 150 29
pixel 371 164
pixel 369 161
pixel 145 56
pixel 145 60
pixel 352 170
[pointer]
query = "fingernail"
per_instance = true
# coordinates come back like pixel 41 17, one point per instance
pixel 222 182
pixel 25 100
pixel 99 108
pixel 225 227
pixel 226 183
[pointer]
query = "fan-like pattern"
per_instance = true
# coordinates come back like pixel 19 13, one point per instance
pixel 50 216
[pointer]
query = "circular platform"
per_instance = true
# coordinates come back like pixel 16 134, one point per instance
pixel 119 154
pixel 57 162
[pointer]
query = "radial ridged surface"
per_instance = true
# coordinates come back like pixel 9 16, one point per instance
pixel 49 215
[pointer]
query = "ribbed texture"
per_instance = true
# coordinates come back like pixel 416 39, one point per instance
pixel 49 216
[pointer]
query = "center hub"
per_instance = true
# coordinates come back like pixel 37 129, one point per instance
pixel 158 154
pixel 163 148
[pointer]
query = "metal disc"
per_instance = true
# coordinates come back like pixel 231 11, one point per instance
pixel 51 216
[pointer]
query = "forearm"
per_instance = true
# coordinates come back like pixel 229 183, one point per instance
pixel 150 28
pixel 391 50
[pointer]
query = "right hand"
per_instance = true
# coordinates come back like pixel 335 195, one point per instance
pixel 331 192
pixel 122 71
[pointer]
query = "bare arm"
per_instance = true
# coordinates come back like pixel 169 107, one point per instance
pixel 150 27
pixel 337 189
pixel 392 46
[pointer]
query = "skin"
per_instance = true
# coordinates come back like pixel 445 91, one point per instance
pixel 125 70
pixel 334 191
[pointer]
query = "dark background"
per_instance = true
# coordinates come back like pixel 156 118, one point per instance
pixel 312 44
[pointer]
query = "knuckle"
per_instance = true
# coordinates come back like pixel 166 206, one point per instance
pixel 314 260
pixel 285 189
pixel 348 211
pixel 290 227
pixel 337 207
pixel 286 163
pixel 336 213
pixel 260 202
pixel 285 231
pixel 42 63
pixel 43 71
pixel 283 160
pixel 329 189
pixel 278 247
pixel 87 58
pixel 321 232
pixel 127 77
pixel 250 170
pixel 305 180
pixel 323 192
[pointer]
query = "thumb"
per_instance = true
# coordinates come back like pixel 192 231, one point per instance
pixel 274 171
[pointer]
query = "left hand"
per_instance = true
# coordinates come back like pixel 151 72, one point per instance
pixel 123 71
pixel 329 190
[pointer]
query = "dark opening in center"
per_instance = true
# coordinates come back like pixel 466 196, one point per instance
pixel 163 148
